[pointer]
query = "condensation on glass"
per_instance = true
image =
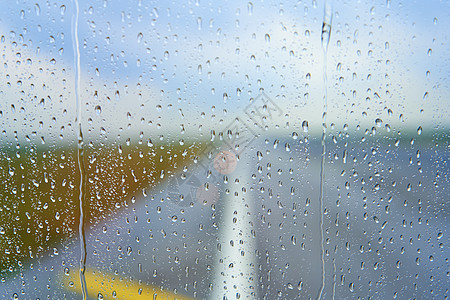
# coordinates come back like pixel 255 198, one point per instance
pixel 235 150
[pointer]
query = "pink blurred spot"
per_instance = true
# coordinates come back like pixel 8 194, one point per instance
pixel 225 162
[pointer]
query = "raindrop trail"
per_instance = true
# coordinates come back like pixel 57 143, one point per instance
pixel 334 280
pixel 325 39
pixel 80 154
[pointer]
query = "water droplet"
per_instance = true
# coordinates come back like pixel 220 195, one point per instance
pixel 379 122
pixel 305 126
pixel 37 9
pixel 275 144
pixel 155 12
pixel 287 147
pixel 250 8
pixel 326 25
pixel 419 130
pixel 225 97
pixel 98 110
pixel 139 37
pixel 259 155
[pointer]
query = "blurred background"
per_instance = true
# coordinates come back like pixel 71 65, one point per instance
pixel 203 154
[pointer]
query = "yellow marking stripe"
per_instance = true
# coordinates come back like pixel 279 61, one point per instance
pixel 124 289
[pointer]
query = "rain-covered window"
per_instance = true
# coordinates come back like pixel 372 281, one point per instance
pixel 203 149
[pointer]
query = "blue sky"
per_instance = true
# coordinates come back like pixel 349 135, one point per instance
pixel 172 61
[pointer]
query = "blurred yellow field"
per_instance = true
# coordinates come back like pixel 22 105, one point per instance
pixel 39 200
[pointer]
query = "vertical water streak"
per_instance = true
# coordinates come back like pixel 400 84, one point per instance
pixel 334 280
pixel 80 155
pixel 325 39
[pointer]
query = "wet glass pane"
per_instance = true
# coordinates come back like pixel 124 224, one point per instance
pixel 224 150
